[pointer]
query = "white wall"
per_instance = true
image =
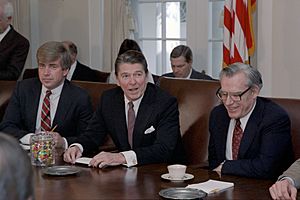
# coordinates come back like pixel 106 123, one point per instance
pixel 75 20
pixel 278 47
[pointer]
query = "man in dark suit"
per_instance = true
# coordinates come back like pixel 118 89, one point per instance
pixel 77 70
pixel 13 46
pixel 249 135
pixel 155 137
pixel 181 59
pixel 69 106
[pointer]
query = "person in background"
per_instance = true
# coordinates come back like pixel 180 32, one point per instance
pixel 13 46
pixel 77 70
pixel 249 135
pixel 142 120
pixel 181 59
pixel 126 45
pixel 16 180
pixel 287 184
pixel 50 101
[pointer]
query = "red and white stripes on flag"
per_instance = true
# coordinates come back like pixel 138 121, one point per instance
pixel 238 42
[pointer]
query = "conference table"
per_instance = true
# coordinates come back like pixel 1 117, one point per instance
pixel 142 182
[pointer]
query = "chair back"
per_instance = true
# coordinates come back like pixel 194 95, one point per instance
pixel 196 99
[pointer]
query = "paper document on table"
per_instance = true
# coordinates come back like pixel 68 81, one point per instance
pixel 83 160
pixel 212 186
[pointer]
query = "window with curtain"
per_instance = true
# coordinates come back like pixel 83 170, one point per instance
pixel 162 26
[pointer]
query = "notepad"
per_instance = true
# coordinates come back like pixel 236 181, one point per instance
pixel 212 186
pixel 83 160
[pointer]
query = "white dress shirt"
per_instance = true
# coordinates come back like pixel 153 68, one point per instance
pixel 71 70
pixel 243 121
pixel 2 35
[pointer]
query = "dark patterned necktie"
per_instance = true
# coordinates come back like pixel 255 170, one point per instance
pixel 131 121
pixel 236 139
pixel 45 115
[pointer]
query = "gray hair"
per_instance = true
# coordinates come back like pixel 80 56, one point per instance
pixel 252 74
pixel 8 10
pixel 16 180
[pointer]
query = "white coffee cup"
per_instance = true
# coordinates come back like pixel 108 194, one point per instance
pixel 176 171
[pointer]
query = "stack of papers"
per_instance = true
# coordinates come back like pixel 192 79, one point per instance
pixel 212 186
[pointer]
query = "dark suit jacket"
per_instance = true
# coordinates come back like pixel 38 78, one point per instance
pixel 157 109
pixel 13 53
pixel 266 147
pixel 84 73
pixel 195 75
pixel 73 111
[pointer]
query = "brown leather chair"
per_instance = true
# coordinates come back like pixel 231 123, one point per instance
pixel 292 107
pixel 6 90
pixel 196 98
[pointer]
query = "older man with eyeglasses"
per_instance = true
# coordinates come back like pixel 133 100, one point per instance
pixel 249 135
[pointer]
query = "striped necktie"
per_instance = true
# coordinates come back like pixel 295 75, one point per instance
pixel 45 115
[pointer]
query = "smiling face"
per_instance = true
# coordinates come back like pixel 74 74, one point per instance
pixel 181 68
pixel 236 85
pixel 52 74
pixel 132 79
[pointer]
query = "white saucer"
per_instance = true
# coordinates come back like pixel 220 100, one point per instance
pixel 185 177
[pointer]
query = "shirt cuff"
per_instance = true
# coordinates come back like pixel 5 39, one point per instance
pixel 78 145
pixel 130 157
pixel 288 178
pixel 66 143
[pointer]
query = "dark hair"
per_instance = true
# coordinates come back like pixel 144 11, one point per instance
pixel 184 51
pixel 71 47
pixel 129 44
pixel 16 180
pixel 131 57
pixel 252 74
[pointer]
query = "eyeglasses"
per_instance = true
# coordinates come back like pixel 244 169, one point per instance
pixel 234 96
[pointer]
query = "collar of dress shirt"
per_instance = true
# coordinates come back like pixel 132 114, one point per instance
pixel 2 35
pixel 189 76
pixel 136 103
pixel 71 70
pixel 55 92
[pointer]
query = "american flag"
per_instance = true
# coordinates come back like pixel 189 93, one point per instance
pixel 238 42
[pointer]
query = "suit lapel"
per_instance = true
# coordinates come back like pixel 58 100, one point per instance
pixel 251 128
pixel 64 104
pixel 120 123
pixel 34 95
pixel 143 115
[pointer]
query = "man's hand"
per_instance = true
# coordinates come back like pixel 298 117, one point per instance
pixel 219 169
pixel 283 189
pixel 104 159
pixel 71 154
pixel 59 142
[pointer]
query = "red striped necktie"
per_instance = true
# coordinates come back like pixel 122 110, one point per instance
pixel 45 115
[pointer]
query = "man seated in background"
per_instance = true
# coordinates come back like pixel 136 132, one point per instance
pixel 249 135
pixel 41 104
pixel 13 46
pixel 288 183
pixel 142 120
pixel 77 70
pixel 181 59
pixel 16 180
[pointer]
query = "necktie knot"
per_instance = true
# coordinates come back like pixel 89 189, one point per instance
pixel 130 104
pixel 48 93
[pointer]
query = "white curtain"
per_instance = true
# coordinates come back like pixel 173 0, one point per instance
pixel 118 18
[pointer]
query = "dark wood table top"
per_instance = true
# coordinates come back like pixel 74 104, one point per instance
pixel 143 182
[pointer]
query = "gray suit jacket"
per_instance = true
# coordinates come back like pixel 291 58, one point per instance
pixel 72 115
pixel 293 172
pixel 157 109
